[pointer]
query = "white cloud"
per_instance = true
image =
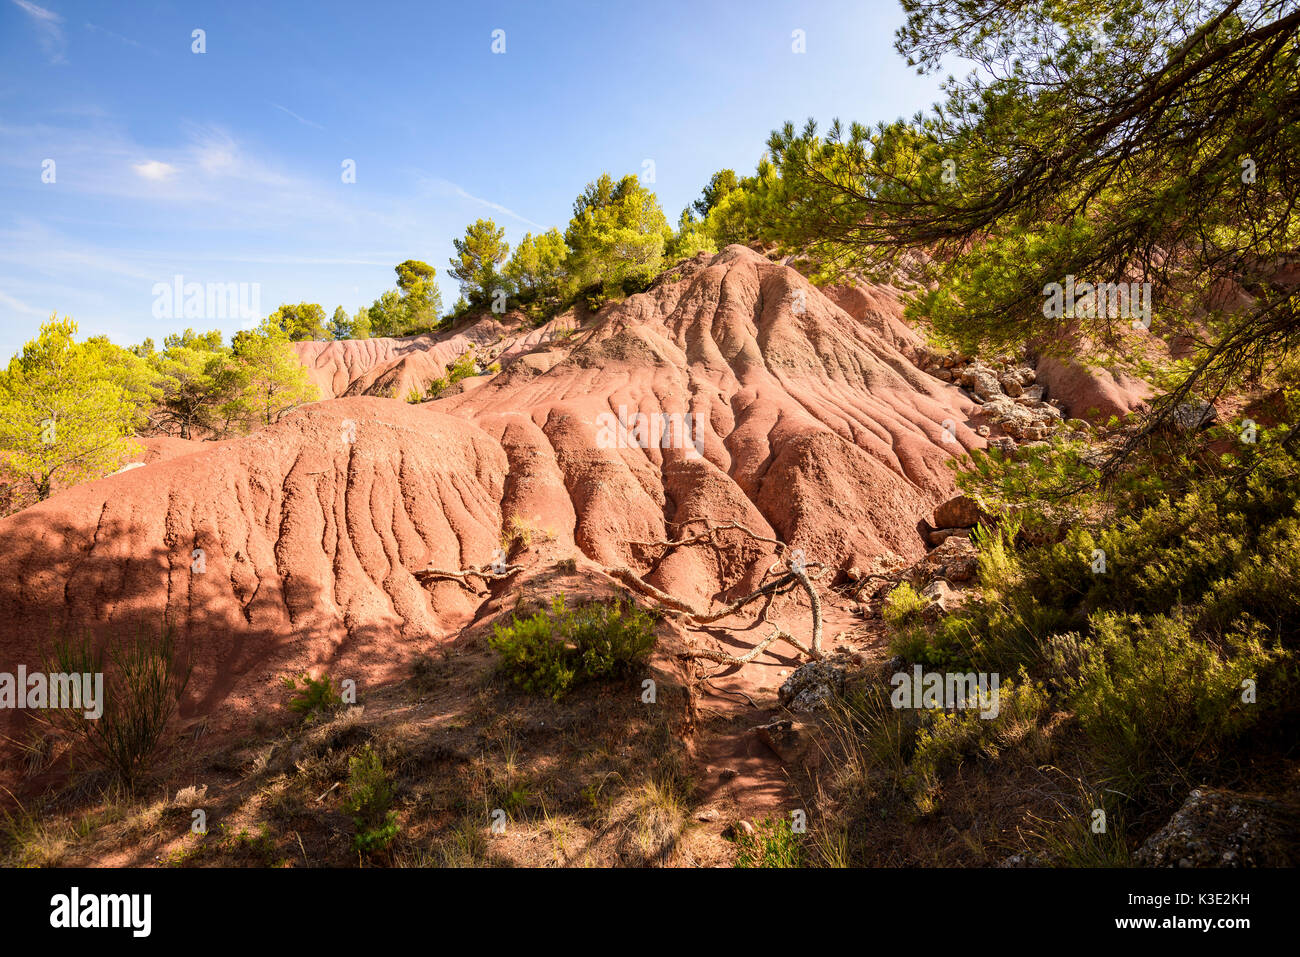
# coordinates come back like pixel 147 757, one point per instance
pixel 48 26
pixel 155 170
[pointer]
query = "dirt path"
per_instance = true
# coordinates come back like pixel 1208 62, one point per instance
pixel 740 776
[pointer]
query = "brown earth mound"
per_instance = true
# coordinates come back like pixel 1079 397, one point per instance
pixel 1092 393
pixel 297 547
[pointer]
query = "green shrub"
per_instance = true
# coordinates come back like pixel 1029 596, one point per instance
pixel 463 368
pixel 905 607
pixel 1222 551
pixel 316 696
pixel 550 652
pixel 143 684
pixel 909 750
pixel 1159 703
pixel 904 613
pixel 369 801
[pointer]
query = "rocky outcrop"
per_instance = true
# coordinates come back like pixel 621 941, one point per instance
pixel 813 685
pixel 1009 393
pixel 960 511
pixel 1216 828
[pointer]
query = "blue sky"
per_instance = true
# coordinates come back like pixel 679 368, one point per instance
pixel 226 166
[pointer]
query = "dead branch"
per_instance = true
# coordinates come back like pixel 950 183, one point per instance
pixel 487 572
pixel 790 572
pixel 637 583
pixel 709 535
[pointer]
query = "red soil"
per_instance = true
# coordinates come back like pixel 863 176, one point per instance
pixel 814 427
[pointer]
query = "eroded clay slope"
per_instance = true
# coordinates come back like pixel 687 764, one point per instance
pixel 810 425
pixel 292 548
pixel 805 423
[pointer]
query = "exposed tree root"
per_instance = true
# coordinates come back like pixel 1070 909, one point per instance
pixel 709 535
pixel 637 583
pixel 854 589
pixel 790 572
pixel 487 572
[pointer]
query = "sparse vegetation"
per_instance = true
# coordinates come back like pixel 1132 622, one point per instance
pixel 369 801
pixel 313 698
pixel 772 844
pixel 225 843
pixel 466 365
pixel 553 650
pixel 520 533
pixel 143 684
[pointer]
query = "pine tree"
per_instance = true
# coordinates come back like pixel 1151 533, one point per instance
pixel 266 380
pixel 536 269
pixel 306 320
pixel 1108 141
pixel 341 325
pixel 478 255
pixel 63 417
pixel 616 237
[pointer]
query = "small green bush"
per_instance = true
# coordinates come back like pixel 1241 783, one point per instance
pixel 945 738
pixel 463 368
pixel 1159 703
pixel 143 684
pixel 904 613
pixel 550 652
pixel 904 607
pixel 316 696
pixel 369 801
pixel 911 749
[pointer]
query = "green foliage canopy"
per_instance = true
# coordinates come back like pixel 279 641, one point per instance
pixel 478 254
pixel 65 412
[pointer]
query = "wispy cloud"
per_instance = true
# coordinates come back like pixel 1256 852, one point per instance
pixel 204 202
pixel 9 302
pixel 96 28
pixel 496 206
pixel 377 260
pixel 37 249
pixel 155 170
pixel 302 120
pixel 48 26
pixel 434 184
